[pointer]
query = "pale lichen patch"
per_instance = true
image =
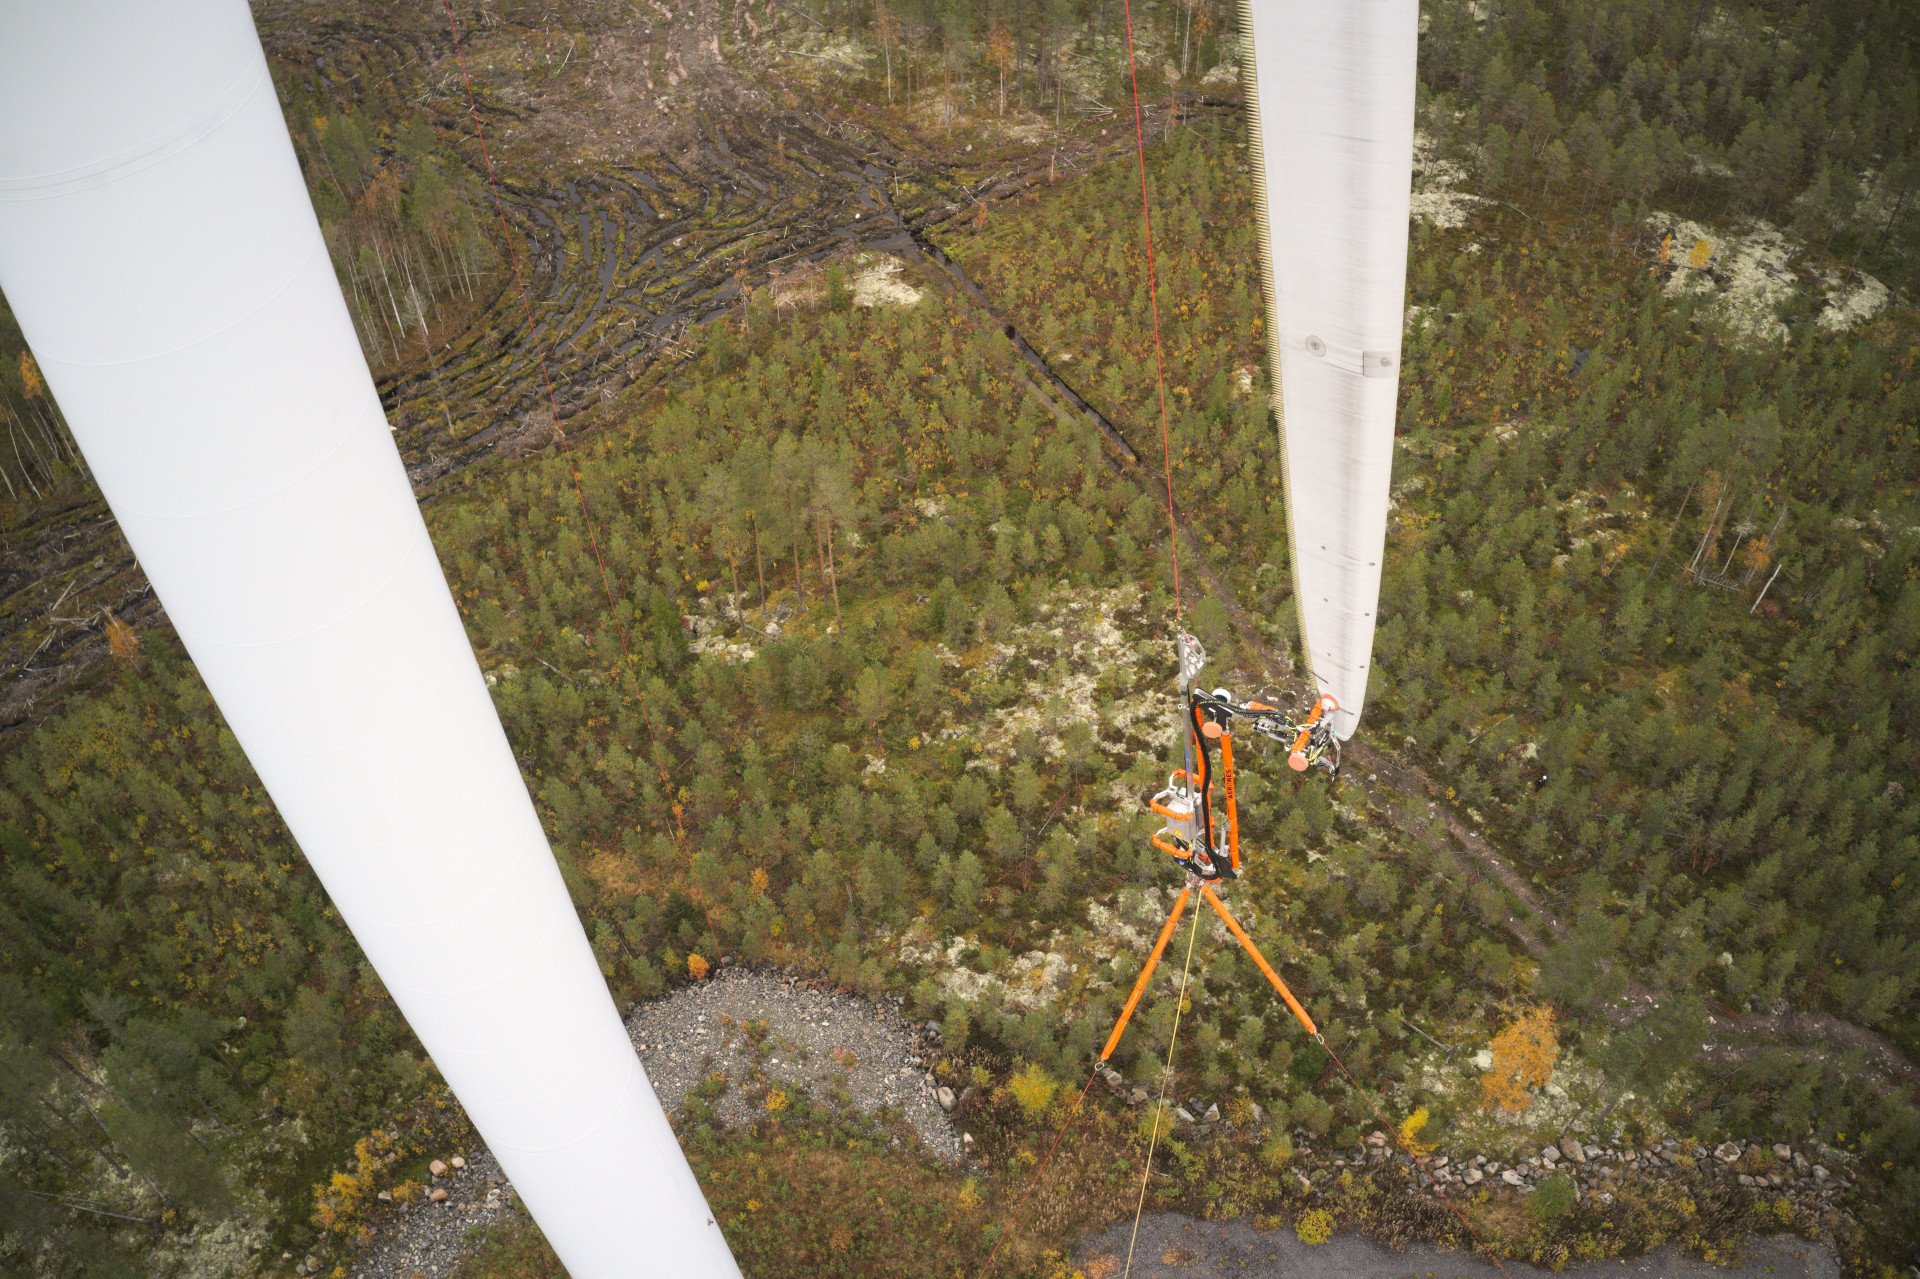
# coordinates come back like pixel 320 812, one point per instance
pixel 877 282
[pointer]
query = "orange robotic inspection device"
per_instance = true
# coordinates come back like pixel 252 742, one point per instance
pixel 1208 850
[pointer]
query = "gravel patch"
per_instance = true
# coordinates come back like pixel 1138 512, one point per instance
pixel 758 1030
pixel 430 1239
pixel 1176 1247
pixel 753 1026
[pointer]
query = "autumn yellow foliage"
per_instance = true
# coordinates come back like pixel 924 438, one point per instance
pixel 1410 1129
pixel 697 968
pixel 1314 1228
pixel 123 642
pixel 1524 1054
pixel 1033 1088
pixel 31 384
pixel 336 1204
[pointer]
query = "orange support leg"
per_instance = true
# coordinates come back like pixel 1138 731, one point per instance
pixel 1146 974
pixel 1240 935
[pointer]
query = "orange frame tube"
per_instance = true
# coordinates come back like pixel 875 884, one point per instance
pixel 1146 974
pixel 1170 850
pixel 1297 757
pixel 1179 775
pixel 1240 935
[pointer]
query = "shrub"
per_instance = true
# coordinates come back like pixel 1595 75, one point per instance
pixel 1156 1118
pixel 1552 1198
pixel 1277 1151
pixel 1523 1058
pixel 697 968
pixel 1313 1113
pixel 1033 1088
pixel 1314 1228
pixel 1410 1129
pixel 955 1028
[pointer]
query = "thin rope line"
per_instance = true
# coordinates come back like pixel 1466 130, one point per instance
pixel 559 432
pixel 1153 303
pixel 1160 1102
pixel 1013 1217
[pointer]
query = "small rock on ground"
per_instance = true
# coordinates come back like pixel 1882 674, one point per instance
pixel 1172 1246
pixel 430 1239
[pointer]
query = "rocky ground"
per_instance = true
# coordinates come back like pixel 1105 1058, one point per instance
pixel 1176 1247
pixel 429 1237
pixel 761 1032
pixel 751 1035
pixel 1779 1168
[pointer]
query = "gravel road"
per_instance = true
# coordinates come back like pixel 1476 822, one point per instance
pixel 1175 1247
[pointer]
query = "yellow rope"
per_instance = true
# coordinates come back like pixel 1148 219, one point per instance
pixel 1160 1102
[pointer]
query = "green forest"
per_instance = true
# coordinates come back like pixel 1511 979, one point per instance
pixel 900 676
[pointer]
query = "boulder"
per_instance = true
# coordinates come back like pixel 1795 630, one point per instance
pixel 458 1161
pixel 438 1168
pixel 1728 1151
pixel 1513 1178
pixel 1573 1150
pixel 1551 1154
pixel 1473 1176
pixel 1782 1151
pixel 438 1196
pixel 1213 1113
pixel 945 1096
pixel 1185 1115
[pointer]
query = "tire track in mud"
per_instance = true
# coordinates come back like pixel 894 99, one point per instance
pixel 623 259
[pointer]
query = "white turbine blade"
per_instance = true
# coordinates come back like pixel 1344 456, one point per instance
pixel 1330 88
pixel 160 251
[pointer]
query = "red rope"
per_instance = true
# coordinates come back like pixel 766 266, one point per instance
pixel 1014 1216
pixel 1153 302
pixel 1419 1161
pixel 553 414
